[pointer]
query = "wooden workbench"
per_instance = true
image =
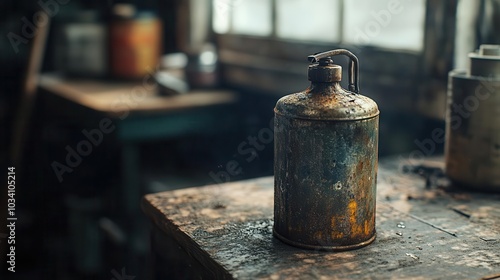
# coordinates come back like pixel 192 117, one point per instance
pixel 225 231
pixel 137 115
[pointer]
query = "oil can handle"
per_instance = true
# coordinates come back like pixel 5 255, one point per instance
pixel 353 65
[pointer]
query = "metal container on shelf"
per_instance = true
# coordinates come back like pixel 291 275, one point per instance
pixel 135 42
pixel 326 156
pixel 472 149
pixel 80 44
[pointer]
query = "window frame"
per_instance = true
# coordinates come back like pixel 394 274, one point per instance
pixel 279 66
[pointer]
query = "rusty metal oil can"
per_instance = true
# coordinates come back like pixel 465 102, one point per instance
pixel 325 162
pixel 472 148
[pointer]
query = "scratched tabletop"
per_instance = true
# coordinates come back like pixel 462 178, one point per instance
pixel 426 229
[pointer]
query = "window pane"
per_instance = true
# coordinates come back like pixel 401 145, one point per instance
pixel 317 20
pixel 252 17
pixel 221 11
pixel 394 24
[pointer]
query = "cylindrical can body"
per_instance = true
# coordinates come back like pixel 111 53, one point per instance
pixel 325 182
pixel 472 147
pixel 135 46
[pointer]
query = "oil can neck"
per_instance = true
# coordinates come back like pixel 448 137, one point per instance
pixel 323 70
pixel 326 88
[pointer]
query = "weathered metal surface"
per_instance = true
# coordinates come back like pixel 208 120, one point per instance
pixel 326 143
pixel 325 72
pixel 324 60
pixel 327 101
pixel 227 230
pixel 325 177
pixel 486 62
pixel 472 127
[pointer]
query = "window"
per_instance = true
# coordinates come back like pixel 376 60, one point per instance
pixel 263 44
pixel 395 24
pixel 389 24
pixel 298 19
pixel 252 17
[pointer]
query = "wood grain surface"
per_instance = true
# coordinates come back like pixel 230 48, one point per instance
pixel 423 232
pixel 112 97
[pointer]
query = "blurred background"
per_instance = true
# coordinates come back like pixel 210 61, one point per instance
pixel 104 101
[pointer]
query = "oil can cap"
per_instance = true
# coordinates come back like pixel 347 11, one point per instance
pixel 325 71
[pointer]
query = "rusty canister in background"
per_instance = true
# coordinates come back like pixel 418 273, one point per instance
pixel 135 42
pixel 326 150
pixel 472 148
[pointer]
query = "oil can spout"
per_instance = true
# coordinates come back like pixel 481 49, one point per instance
pixel 325 57
pixel 316 57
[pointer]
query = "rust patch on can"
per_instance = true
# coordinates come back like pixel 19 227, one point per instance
pixel 326 152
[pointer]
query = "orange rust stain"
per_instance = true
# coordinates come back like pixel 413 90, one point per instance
pixel 356 230
pixel 359 167
pixel 367 228
pixel 351 208
pixel 318 235
pixel 336 232
pixel 337 235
